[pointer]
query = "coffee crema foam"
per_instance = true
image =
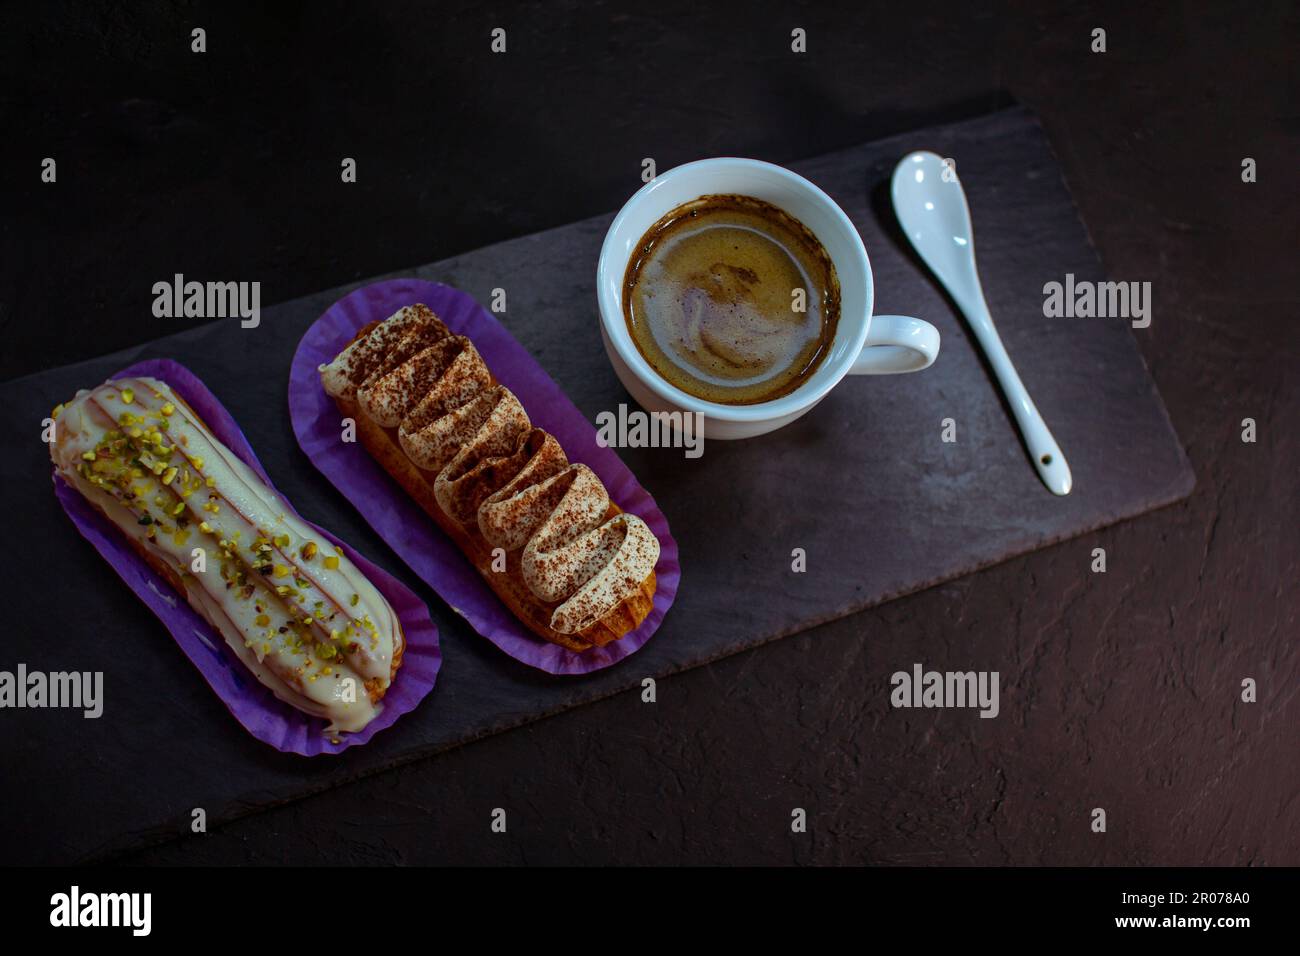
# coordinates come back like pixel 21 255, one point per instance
pixel 710 300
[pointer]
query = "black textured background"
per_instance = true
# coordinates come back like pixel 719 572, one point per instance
pixel 226 165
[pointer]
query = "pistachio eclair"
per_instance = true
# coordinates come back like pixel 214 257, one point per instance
pixel 296 612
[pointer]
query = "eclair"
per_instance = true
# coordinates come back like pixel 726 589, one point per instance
pixel 299 615
pixel 542 531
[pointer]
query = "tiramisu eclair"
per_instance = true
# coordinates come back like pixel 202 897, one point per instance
pixel 543 533
pixel 296 612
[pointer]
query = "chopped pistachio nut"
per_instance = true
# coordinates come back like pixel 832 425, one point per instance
pixel 331 562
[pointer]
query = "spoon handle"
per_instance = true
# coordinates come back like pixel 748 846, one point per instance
pixel 1043 449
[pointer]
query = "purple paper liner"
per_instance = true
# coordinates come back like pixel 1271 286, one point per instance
pixel 263 715
pixel 404 525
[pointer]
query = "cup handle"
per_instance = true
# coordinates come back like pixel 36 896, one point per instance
pixel 896 343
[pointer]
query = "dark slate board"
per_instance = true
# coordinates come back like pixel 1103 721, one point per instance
pixel 863 483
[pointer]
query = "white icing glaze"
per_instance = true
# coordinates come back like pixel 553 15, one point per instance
pixel 320 637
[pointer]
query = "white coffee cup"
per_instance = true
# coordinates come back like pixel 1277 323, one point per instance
pixel 864 344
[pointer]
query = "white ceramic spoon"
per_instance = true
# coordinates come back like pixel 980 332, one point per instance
pixel 932 210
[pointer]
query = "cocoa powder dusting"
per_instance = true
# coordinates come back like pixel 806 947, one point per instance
pixel 492 465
